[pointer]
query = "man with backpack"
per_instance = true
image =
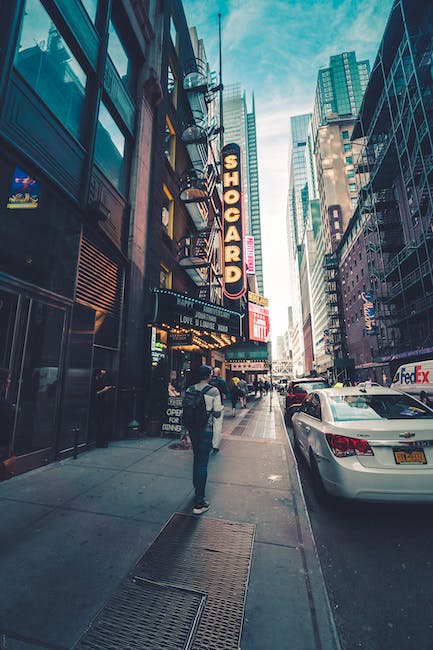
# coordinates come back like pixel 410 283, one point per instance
pixel 201 405
pixel 221 384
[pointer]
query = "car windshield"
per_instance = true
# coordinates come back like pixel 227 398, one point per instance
pixel 377 407
pixel 309 386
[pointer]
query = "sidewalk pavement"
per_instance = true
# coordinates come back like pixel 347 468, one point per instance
pixel 72 530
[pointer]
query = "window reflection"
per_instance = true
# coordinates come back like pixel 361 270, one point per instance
pixel 36 416
pixel 48 66
pixel 110 147
pixel 91 7
pixel 120 58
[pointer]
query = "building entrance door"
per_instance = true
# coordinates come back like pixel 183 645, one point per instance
pixel 32 350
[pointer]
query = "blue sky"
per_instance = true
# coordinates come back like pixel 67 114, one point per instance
pixel 274 48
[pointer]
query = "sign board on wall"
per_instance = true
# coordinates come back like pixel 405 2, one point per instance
pixel 249 366
pixel 258 318
pixel 233 243
pixel 173 309
pixel 24 191
pixel 250 260
pixel 369 312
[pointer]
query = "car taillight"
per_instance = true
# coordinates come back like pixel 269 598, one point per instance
pixel 342 446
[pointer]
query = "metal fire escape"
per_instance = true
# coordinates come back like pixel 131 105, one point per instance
pixel 199 249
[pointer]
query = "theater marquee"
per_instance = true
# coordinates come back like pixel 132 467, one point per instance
pixel 233 245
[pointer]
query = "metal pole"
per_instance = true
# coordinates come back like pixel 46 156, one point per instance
pixel 221 88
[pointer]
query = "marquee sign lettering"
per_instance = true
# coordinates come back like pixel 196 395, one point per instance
pixel 233 245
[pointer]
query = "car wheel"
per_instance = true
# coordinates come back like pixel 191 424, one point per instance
pixel 319 489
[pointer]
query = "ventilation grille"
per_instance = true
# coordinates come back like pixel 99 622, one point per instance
pixel 100 280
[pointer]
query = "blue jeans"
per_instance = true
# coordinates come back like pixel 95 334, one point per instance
pixel 201 446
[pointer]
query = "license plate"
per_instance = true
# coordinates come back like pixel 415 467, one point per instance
pixel 416 456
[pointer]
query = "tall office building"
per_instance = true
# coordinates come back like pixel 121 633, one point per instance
pixel 240 127
pixel 301 177
pixel 340 87
pixel 339 92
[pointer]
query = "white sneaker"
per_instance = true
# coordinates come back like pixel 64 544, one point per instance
pixel 199 510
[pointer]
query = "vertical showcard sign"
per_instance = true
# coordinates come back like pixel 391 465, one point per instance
pixel 233 244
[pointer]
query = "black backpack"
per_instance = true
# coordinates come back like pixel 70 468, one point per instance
pixel 195 414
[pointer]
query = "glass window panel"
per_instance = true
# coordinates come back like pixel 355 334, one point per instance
pixel 48 66
pixel 91 7
pixel 167 212
pixel 36 422
pixel 110 148
pixel 169 141
pixel 120 57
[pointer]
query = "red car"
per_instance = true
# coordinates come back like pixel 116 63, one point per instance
pixel 297 390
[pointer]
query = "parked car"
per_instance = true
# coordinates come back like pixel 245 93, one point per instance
pixel 367 443
pixel 297 390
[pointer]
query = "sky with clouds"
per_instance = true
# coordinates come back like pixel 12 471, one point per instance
pixel 275 48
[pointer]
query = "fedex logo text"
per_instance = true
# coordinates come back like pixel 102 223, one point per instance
pixel 418 376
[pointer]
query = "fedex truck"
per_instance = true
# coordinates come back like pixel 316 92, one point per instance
pixel 416 379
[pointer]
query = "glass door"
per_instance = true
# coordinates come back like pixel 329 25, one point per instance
pixel 39 373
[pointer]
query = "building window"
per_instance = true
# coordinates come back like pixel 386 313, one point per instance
pixel 350 173
pixel 173 34
pixel 353 201
pixel 347 147
pixel 110 148
pixel 121 59
pixel 48 66
pixel 91 7
pixel 345 135
pixel 164 277
pixel 167 212
pixel 349 160
pixel 170 141
pixel 352 187
pixel 172 84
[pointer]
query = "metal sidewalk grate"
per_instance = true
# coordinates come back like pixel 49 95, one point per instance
pixel 144 615
pixel 207 555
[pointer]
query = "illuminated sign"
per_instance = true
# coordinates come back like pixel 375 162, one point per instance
pixel 176 309
pixel 250 260
pixel 24 191
pixel 249 366
pixel 369 313
pixel 234 272
pixel 258 318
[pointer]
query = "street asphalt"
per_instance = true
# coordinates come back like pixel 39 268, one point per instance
pixel 72 530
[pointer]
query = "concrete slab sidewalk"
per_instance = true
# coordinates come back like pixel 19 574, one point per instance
pixel 71 531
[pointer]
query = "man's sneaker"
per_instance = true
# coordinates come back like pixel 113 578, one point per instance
pixel 215 450
pixel 199 510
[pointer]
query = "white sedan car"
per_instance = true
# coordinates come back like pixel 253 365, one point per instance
pixel 368 443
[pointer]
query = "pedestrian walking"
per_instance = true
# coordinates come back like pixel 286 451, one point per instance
pixel 221 384
pixel 244 388
pixel 235 393
pixel 201 438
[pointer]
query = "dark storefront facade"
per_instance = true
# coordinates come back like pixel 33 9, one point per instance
pixel 68 87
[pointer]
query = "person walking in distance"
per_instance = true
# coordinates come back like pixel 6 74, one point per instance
pixel 201 439
pixel 221 384
pixel 244 388
pixel 235 393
